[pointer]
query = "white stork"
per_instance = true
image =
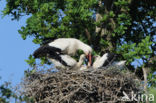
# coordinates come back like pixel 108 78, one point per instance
pixel 71 63
pixel 106 59
pixel 64 47
pixel 81 60
pixel 119 64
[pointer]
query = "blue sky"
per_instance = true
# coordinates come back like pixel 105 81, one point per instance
pixel 13 49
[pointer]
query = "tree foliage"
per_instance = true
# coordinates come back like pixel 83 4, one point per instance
pixel 8 94
pixel 5 93
pixel 125 27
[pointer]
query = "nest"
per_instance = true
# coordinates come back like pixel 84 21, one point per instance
pixel 89 86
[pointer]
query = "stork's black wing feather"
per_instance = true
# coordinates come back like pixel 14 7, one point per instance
pixel 57 57
pixel 51 52
pixel 110 58
pixel 44 50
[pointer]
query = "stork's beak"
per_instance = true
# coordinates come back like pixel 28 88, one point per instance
pixel 88 61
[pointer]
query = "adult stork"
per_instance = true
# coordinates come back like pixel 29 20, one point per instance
pixel 57 48
pixel 106 59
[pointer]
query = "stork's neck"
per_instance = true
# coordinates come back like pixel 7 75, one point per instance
pixel 84 47
pixel 78 65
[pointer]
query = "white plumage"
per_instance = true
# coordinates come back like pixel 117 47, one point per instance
pixel 119 64
pixel 106 59
pixel 70 46
pixel 99 61
pixel 83 67
pixel 66 58
pixel 72 63
pixel 81 60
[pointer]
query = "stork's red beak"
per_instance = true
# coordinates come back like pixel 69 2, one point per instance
pixel 89 59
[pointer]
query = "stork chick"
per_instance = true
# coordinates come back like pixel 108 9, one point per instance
pixel 106 59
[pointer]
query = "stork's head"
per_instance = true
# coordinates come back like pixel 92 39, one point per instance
pixel 89 58
pixel 88 50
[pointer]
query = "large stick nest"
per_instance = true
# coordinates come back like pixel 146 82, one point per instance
pixel 89 86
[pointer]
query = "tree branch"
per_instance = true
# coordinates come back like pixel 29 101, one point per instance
pixel 145 81
pixel 88 35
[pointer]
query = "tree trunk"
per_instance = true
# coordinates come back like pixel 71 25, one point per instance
pixel 102 30
pixel 145 81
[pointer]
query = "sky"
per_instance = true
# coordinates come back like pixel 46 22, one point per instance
pixel 13 49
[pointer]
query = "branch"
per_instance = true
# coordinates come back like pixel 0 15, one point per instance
pixel 98 18
pixel 145 81
pixel 88 35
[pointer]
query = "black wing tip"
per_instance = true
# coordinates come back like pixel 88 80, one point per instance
pixel 35 54
pixel 40 52
pixel 111 56
pixel 46 50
